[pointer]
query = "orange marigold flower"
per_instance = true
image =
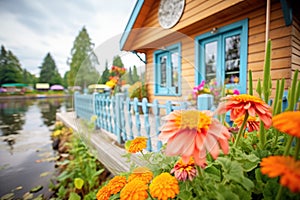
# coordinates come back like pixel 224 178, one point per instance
pixel 164 186
pixel 286 167
pixel 252 123
pixel 134 190
pixel 141 173
pixel 137 144
pixel 116 184
pixel 288 122
pixel 184 171
pixel 193 133
pixel 240 104
pixel 103 193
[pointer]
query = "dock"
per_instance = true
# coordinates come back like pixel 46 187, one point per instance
pixel 101 143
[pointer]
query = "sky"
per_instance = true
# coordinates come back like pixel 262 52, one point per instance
pixel 32 28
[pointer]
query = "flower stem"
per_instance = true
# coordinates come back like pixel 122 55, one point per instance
pixel 279 193
pixel 297 149
pixel 150 195
pixel 262 135
pixel 242 130
pixel 288 146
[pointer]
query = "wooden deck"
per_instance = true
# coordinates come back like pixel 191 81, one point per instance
pixel 101 143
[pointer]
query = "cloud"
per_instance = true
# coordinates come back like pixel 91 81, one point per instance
pixel 31 29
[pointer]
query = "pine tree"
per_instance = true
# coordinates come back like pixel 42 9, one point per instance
pixel 49 73
pixel 10 67
pixel 83 61
pixel 105 75
pixel 135 76
pixel 117 61
pixel 129 79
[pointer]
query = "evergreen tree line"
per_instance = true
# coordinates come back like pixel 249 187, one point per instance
pixel 11 70
pixel 83 67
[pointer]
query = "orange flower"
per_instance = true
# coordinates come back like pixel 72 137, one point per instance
pixel 103 193
pixel 141 173
pixel 288 122
pixel 252 123
pixel 192 133
pixel 116 184
pixel 240 104
pixel 164 186
pixel 134 190
pixel 137 144
pixel 286 167
pixel 184 171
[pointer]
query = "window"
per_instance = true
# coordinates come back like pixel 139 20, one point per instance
pixel 167 69
pixel 223 56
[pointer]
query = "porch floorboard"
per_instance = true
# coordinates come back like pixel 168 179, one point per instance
pixel 101 143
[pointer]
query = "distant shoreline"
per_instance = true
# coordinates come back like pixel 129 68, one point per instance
pixel 37 96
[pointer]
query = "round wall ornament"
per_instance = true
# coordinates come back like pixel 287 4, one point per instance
pixel 170 12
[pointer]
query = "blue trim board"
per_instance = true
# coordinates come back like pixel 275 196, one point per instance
pixel 169 91
pixel 130 23
pixel 287 12
pixel 240 27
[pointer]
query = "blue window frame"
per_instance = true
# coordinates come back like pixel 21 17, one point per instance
pixel 223 55
pixel 167 71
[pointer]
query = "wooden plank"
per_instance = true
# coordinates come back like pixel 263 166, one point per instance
pixel 277 53
pixel 276 43
pixel 275 64
pixel 275 74
pixel 108 152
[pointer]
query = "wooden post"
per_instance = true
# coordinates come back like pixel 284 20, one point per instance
pixel 128 106
pixel 137 115
pixel 156 113
pixel 147 124
pixel 118 117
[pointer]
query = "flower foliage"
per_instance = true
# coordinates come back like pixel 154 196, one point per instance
pixel 201 159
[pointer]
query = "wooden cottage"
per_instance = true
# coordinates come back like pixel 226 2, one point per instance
pixel 187 41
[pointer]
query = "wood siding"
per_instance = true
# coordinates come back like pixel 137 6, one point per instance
pixel 285 39
pixel 296 45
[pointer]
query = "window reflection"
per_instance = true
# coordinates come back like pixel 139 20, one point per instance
pixel 174 69
pixel 232 59
pixel 210 60
pixel 163 68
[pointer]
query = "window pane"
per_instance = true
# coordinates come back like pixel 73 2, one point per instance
pixel 163 71
pixel 232 59
pixel 210 60
pixel 174 69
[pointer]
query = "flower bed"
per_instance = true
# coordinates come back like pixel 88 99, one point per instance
pixel 205 158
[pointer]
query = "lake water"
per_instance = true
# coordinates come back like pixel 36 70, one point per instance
pixel 26 154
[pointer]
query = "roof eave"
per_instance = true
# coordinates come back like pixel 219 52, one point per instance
pixel 132 19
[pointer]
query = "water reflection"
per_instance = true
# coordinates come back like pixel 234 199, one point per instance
pixel 25 128
pixel 12 116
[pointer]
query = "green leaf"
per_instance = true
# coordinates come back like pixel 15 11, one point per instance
pixel 250 83
pixel 127 144
pixel 233 171
pixel 271 189
pixel 97 173
pixel 45 174
pixel 78 182
pixel 225 193
pixel 259 88
pixel 36 189
pixel 9 196
pixel 292 92
pixel 214 172
pixel 74 196
pixel 267 72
